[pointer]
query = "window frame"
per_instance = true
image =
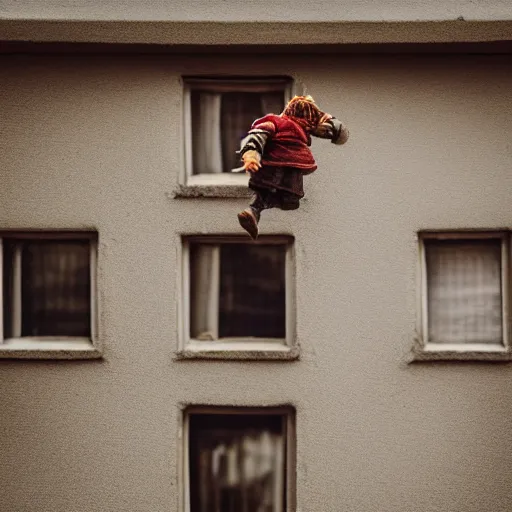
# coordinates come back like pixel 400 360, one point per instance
pixel 425 350
pixel 223 184
pixel 242 347
pixel 290 436
pixel 53 347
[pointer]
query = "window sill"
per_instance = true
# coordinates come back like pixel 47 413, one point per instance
pixel 49 348
pixel 455 352
pixel 224 185
pixel 239 350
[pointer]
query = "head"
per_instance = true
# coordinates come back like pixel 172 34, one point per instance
pixel 304 110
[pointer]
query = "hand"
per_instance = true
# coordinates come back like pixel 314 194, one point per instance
pixel 252 165
pixel 251 162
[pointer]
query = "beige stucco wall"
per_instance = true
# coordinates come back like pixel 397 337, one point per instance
pixel 96 142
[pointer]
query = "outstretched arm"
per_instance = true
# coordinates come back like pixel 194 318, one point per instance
pixel 331 128
pixel 252 147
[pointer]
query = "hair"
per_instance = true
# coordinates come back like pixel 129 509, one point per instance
pixel 304 110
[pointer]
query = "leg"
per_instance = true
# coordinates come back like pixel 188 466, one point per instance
pixel 250 217
pixel 263 200
pixel 289 201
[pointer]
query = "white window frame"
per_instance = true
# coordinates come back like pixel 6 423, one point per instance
pixel 243 347
pixel 426 350
pixel 224 84
pixel 288 413
pixel 49 347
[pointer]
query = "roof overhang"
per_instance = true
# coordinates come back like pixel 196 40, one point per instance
pixel 253 34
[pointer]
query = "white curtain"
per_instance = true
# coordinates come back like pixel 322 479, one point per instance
pixel 205 290
pixel 206 133
pixel 464 292
pixel 250 467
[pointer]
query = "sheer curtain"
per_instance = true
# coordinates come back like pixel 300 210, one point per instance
pixel 47 288
pixel 464 291
pixel 206 132
pixel 204 291
pixel 237 469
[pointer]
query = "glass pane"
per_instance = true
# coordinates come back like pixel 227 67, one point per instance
pixel 237 463
pixel 464 291
pixel 220 120
pixel 55 287
pixel 252 291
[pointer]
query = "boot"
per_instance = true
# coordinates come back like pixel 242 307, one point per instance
pixel 249 219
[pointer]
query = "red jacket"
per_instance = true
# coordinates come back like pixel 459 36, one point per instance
pixel 287 144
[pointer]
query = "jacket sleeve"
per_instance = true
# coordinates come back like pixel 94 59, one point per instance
pixel 331 128
pixel 257 137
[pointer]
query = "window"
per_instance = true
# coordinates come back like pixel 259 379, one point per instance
pixel 238 295
pixel 239 459
pixel 218 114
pixel 465 293
pixel 48 283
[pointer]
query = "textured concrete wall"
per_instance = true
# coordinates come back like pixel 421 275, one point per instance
pixel 96 142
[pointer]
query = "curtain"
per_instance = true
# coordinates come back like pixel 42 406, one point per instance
pixel 237 468
pixel 55 288
pixel 464 291
pixel 204 291
pixel 206 134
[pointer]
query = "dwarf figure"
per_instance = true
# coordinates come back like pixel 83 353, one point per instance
pixel 276 154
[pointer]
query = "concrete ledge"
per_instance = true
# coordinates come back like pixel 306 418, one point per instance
pixel 484 353
pixel 168 32
pixel 223 191
pixel 276 11
pixel 245 351
pixel 49 349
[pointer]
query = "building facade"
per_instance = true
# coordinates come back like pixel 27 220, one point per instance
pixel 354 358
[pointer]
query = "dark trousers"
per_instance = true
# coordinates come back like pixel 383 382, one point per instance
pixel 276 187
pixel 265 199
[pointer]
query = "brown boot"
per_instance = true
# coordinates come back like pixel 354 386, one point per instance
pixel 249 221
